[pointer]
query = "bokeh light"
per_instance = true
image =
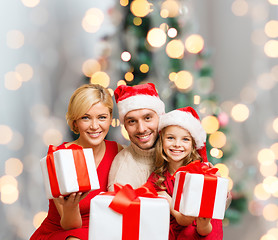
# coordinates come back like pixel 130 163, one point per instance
pixel 129 76
pixel 240 8
pixel 13 81
pixel 124 132
pixel 183 80
pixel 8 189
pixel 271 48
pixel 144 68
pixel 268 170
pixel 270 212
pixel 169 8
pixel 52 136
pixel 266 156
pixel 38 218
pixel 121 82
pixel 271 29
pixel 274 149
pixel 210 124
pixel 175 49
pixel 13 167
pixel 101 78
pixel 15 39
pixel 92 20
pixel 240 112
pixel 6 134
pixel 90 66
pixel 261 193
pixel 30 3
pixel 217 139
pixel 115 122
pixel 275 125
pixel 270 184
pixel 125 56
pixel 194 43
pixel 124 3
pixel 266 81
pixel 274 2
pixel 222 169
pixel 140 8
pixel 137 21
pixel 25 71
pixel 172 32
pixel 156 37
pixel 197 99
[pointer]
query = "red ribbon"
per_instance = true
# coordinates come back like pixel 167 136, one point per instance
pixel 127 203
pixel 209 187
pixel 80 167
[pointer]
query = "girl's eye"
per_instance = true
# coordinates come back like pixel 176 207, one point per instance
pixel 170 138
pixel 186 139
pixel 102 117
pixel 85 117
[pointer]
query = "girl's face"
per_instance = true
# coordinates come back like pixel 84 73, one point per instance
pixel 93 126
pixel 177 143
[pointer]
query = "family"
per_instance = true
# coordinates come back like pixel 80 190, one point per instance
pixel 160 143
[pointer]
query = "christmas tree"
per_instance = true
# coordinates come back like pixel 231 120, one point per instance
pixel 159 43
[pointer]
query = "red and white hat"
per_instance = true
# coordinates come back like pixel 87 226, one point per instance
pixel 188 119
pixel 130 98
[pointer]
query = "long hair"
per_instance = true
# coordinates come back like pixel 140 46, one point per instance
pixel 162 163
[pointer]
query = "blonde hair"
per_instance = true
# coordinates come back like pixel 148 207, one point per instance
pixel 85 97
pixel 161 161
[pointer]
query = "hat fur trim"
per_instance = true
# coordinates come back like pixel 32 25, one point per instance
pixel 187 121
pixel 140 102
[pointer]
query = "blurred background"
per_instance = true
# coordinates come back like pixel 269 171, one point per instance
pixel 221 57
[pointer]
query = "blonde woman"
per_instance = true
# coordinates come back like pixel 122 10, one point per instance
pixel 89 115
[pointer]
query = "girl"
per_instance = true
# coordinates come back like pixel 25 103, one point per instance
pixel 182 140
pixel 89 115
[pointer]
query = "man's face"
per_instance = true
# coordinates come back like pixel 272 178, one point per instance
pixel 142 127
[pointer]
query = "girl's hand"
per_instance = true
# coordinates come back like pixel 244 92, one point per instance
pixel 204 226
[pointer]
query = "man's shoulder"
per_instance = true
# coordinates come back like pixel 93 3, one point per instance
pixel 124 152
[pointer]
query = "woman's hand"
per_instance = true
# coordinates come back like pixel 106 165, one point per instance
pixel 204 226
pixel 68 208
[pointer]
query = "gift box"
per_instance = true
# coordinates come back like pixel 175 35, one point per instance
pixel 198 192
pixel 69 170
pixel 114 216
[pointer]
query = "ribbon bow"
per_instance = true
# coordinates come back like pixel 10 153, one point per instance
pixel 126 195
pixel 197 167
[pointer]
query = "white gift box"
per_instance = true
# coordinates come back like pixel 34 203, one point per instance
pixel 66 173
pixel 192 198
pixel 106 224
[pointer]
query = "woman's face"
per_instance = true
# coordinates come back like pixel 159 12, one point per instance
pixel 93 126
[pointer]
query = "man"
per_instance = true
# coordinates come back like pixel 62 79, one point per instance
pixel 139 110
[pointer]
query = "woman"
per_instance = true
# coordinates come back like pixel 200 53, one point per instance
pixel 89 115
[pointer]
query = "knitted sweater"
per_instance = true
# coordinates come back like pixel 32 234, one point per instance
pixel 131 166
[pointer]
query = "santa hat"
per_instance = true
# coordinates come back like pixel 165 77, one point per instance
pixel 188 119
pixel 137 97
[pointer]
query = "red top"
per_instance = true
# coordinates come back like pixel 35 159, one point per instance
pixel 181 232
pixel 50 228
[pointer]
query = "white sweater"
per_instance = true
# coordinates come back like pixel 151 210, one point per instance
pixel 131 166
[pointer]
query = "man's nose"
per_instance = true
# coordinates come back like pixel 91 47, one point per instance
pixel 141 126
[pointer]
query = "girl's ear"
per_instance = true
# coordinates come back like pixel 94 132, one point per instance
pixel 74 125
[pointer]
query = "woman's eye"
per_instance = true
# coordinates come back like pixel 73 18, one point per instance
pixel 85 117
pixel 170 138
pixel 102 117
